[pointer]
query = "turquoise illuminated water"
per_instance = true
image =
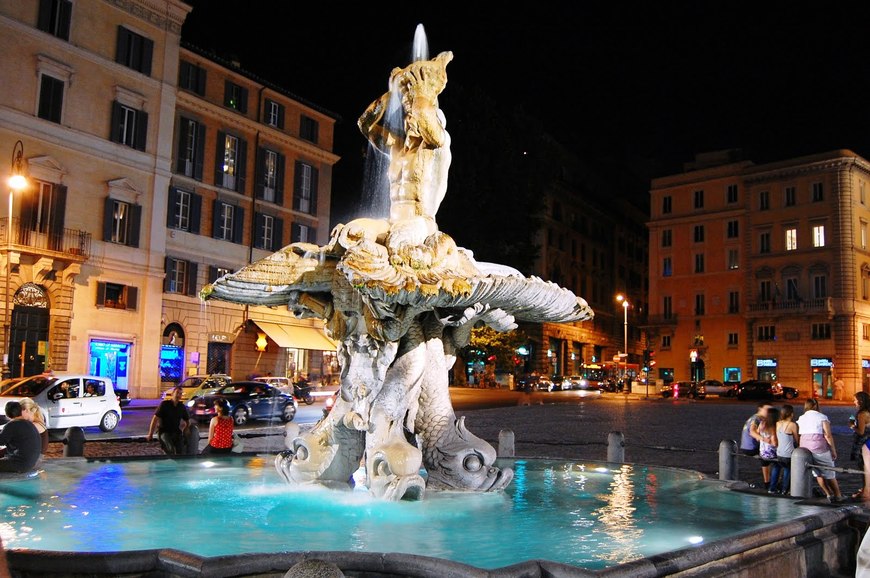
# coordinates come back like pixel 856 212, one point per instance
pixel 586 514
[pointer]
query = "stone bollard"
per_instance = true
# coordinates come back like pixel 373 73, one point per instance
pixel 191 440
pixel 615 447
pixel 74 442
pixel 291 432
pixel 801 476
pixel 506 448
pixel 728 460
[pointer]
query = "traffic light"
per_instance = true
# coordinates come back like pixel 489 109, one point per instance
pixel 652 358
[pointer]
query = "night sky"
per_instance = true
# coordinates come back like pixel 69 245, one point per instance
pixel 650 83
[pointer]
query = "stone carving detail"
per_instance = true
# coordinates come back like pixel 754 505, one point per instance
pixel 400 297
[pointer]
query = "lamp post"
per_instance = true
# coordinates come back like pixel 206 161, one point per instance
pixel 16 182
pixel 624 300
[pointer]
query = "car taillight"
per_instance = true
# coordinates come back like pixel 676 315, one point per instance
pixel 330 401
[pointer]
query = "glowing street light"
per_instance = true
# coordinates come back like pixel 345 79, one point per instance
pixel 17 182
pixel 624 300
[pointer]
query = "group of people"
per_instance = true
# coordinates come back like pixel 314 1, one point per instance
pixel 24 438
pixel 171 421
pixel 773 433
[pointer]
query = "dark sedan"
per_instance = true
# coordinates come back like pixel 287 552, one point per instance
pixel 247 400
pixel 764 390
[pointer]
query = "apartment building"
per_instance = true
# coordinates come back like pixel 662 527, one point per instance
pixel 150 169
pixel 762 271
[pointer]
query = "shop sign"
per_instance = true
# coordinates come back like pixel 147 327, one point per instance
pixel 221 337
pixel 765 362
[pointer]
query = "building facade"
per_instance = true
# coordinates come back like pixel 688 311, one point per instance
pixel 762 271
pixel 151 169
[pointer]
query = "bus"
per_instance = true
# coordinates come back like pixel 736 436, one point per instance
pixel 608 375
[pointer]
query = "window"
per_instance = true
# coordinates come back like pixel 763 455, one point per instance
pixel 273 114
pixel 50 98
pixel 129 126
pixel 228 221
pixel 184 210
pixel 308 129
pixel 54 17
pixel 763 200
pixel 862 193
pixel 117 296
pixel 121 222
pixel 43 210
pixel 191 77
pixel 818 192
pixel 821 331
pixel 733 302
pixel 865 286
pixel 667 267
pixel 699 199
pixel 733 340
pixel 699 233
pixel 268 234
pixel 230 164
pixel 766 333
pixel 666 204
pixel 818 235
pixel 270 176
pixel 733 259
pixel 302 233
pixel 215 272
pixel 731 194
pixel 765 292
pixel 699 263
pixel 666 238
pixel 865 331
pixel 667 307
pixel 790 196
pixel 863 233
pixel 764 243
pixel 666 341
pixel 791 289
pixel 134 51
pixel 733 229
pixel 699 304
pixel 820 286
pixel 191 149
pixel 790 239
pixel 236 97
pixel 180 276
pixel 305 189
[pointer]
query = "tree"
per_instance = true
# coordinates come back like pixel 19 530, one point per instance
pixel 493 347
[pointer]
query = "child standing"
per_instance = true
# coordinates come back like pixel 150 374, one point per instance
pixel 787 436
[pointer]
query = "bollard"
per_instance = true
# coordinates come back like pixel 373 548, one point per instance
pixel 74 442
pixel 291 432
pixel 801 476
pixel 615 447
pixel 191 440
pixel 728 460
pixel 506 444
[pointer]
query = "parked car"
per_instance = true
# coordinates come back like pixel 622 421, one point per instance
pixel 716 387
pixel 534 382
pixel 758 389
pixel 677 389
pixel 788 392
pixel 585 386
pixel 69 400
pixel 123 396
pixel 199 385
pixel 248 400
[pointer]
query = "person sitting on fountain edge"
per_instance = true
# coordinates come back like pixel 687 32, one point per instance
pixel 171 420
pixel 23 446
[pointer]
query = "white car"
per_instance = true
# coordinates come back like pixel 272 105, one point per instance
pixel 69 400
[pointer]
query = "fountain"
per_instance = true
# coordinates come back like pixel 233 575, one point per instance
pixel 400 297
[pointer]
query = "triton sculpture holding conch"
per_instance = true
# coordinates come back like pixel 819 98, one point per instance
pixel 400 297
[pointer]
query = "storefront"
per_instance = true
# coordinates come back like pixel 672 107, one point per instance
pixel 823 381
pixel 766 368
pixel 110 358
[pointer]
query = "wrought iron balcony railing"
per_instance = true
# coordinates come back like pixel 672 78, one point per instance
pixel 72 243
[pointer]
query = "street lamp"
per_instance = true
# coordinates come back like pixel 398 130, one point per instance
pixel 16 182
pixel 624 300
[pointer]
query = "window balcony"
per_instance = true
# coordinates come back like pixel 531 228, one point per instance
pixel 70 244
pixel 792 307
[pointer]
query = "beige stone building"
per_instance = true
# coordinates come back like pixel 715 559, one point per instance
pixel 762 271
pixel 150 168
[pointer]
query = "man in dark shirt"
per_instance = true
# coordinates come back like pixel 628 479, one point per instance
pixel 170 419
pixel 22 441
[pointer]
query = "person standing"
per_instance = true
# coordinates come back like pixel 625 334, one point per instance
pixel 814 429
pixel 30 410
pixel 21 441
pixel 170 420
pixel 749 438
pixel 787 436
pixel 220 430
pixel 860 426
pixel 767 442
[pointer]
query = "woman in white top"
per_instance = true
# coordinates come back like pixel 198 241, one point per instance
pixel 815 435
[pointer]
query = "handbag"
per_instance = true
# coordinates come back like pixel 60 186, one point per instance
pixel 238 444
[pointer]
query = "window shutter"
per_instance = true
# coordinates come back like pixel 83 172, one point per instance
pixel 212 273
pixel 228 93
pixel 135 226
pixel 281 116
pixel 141 130
pixel 216 207
pixel 167 273
pixel 181 147
pixel 242 166
pixel 259 231
pixel 243 98
pixel 65 19
pixel 132 297
pixel 115 134
pixel 219 159
pixel 43 21
pixel 170 207
pixel 195 213
pixel 314 179
pixel 297 185
pixel 108 218
pixel 260 173
pixel 200 80
pixel 57 216
pixel 199 153
pixel 101 293
pixel 238 225
pixel 121 54
pixel 278 234
pixel 147 52
pixel 191 278
pixel 295 233
pixel 279 182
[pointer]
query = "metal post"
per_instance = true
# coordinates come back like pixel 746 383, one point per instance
pixel 727 460
pixel 16 182
pixel 615 447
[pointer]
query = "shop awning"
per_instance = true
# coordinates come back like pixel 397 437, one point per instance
pixel 296 336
